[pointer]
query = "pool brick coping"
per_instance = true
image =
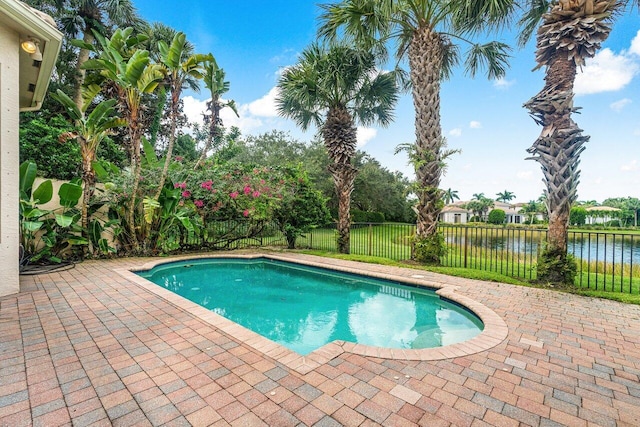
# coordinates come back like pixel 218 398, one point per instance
pixel 495 329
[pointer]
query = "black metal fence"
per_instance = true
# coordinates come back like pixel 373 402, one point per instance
pixel 606 260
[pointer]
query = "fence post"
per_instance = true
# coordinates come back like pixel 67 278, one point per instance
pixel 466 245
pixel 370 237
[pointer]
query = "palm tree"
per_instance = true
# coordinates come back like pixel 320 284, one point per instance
pixel 531 209
pixel 129 71
pixel 89 131
pixel 478 196
pixel 182 70
pixel 570 32
pixel 214 80
pixel 334 88
pixel 450 196
pixel 423 31
pixel 88 16
pixel 505 196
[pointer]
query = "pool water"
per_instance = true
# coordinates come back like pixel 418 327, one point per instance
pixel 304 308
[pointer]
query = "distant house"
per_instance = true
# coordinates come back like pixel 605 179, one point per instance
pixel 455 213
pixel 601 214
pixel 29 46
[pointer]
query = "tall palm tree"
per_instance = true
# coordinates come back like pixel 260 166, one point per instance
pixel 90 130
pixel 505 196
pixel 87 16
pixel 182 71
pixel 424 31
pixel 214 80
pixel 450 196
pixel 569 32
pixel 131 75
pixel 335 87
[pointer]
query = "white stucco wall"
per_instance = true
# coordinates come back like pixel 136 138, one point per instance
pixel 9 161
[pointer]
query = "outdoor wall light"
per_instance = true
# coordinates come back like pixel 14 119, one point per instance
pixel 32 47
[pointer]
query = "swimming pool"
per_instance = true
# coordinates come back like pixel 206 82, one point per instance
pixel 303 308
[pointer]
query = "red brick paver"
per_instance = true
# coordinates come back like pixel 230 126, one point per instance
pixel 90 346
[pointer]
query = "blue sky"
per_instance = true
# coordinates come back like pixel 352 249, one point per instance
pixel 253 40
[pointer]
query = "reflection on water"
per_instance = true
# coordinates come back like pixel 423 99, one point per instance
pixel 304 308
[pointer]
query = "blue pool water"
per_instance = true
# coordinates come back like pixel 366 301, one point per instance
pixel 304 308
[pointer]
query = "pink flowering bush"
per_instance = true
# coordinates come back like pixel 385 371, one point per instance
pixel 234 191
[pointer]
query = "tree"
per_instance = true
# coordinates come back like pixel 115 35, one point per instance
pixel 214 80
pixel 496 216
pixel 301 208
pixel 91 16
pixel 479 206
pixel 578 215
pixel 505 196
pixel 531 209
pixel 334 88
pixel 182 71
pixel 570 32
pixel 450 196
pixel 423 31
pixel 376 189
pixel 129 71
pixel 89 131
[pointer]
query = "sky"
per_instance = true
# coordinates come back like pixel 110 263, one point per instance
pixel 254 40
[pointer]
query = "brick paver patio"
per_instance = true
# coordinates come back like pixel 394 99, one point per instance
pixel 88 346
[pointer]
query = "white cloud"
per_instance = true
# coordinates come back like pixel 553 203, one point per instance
pixel 619 105
pixel 455 132
pixel 365 135
pixel 193 109
pixel 606 72
pixel 287 55
pixel 525 175
pixel 474 124
pixel 635 44
pixel 503 83
pixel 265 106
pixel 631 166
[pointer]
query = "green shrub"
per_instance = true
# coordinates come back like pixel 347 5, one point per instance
pixel 39 144
pixel 429 250
pixel 496 216
pixel 577 216
pixel 556 267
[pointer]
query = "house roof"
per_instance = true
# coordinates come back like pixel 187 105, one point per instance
pixel 32 24
pixel 602 209
pixel 454 208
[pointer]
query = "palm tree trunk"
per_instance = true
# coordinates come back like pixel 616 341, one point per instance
pixel 425 63
pixel 569 33
pixel 175 100
pixel 213 127
pixel 89 185
pixel 340 138
pixel 135 134
pixel 83 56
pixel 344 177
